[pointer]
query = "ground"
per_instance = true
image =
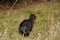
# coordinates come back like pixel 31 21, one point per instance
pixel 46 27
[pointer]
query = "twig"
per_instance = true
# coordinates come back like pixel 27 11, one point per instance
pixel 12 6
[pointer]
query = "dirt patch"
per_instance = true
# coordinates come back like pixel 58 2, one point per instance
pixel 16 4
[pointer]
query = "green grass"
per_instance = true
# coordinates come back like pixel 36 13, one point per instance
pixel 47 23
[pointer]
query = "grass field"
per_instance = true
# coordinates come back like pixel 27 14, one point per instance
pixel 46 27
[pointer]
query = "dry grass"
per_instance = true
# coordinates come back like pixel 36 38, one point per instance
pixel 47 24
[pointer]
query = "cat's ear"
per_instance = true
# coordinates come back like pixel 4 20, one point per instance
pixel 32 14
